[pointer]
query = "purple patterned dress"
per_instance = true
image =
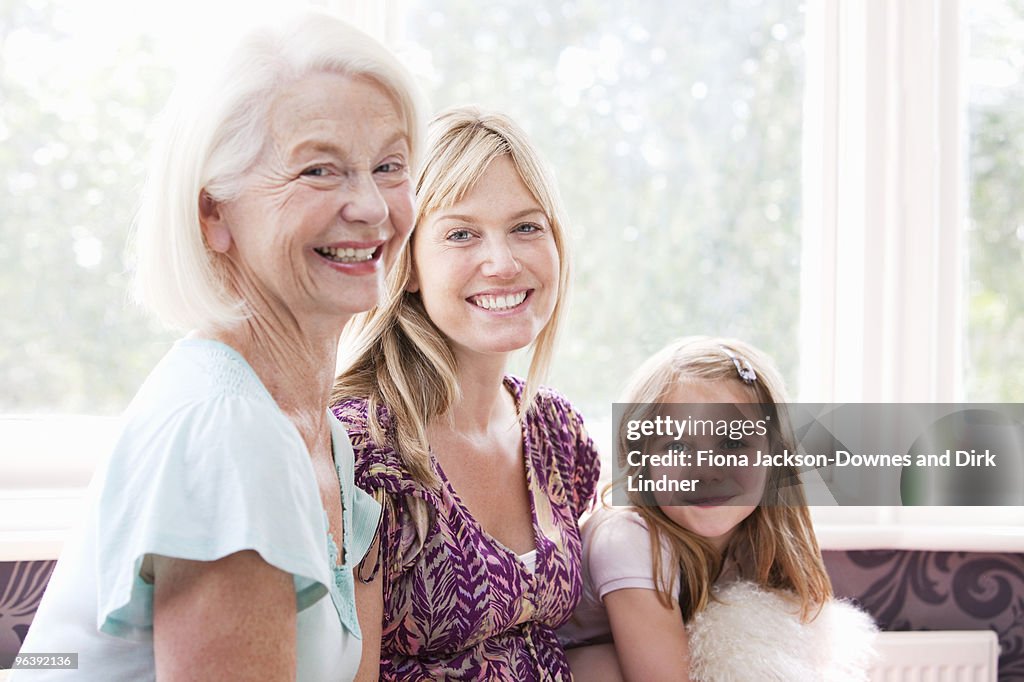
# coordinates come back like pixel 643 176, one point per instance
pixel 463 607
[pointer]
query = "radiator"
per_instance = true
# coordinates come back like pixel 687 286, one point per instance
pixel 940 656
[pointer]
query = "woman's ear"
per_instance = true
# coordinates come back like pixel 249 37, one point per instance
pixel 215 227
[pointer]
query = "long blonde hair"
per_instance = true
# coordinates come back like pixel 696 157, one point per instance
pixel 777 540
pixel 397 357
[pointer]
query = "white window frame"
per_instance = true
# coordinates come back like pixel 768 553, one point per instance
pixel 883 260
pixel 884 252
pixel 884 241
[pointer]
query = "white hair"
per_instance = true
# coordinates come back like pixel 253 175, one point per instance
pixel 213 132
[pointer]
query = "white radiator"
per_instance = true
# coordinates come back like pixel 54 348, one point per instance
pixel 940 656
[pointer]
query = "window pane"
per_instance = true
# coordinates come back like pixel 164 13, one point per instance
pixel 674 130
pixel 80 86
pixel 73 126
pixel 996 229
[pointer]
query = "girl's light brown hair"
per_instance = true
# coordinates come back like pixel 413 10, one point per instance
pixel 776 542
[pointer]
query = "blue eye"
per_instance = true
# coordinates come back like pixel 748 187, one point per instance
pixel 390 167
pixel 731 444
pixel 458 235
pixel 315 172
pixel 528 228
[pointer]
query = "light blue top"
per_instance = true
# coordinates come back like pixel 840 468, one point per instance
pixel 206 465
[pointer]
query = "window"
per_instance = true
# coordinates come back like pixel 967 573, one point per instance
pixel 811 176
pixel 78 100
pixel 671 131
pixel 671 128
pixel 995 291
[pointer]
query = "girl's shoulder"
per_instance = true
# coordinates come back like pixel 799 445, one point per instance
pixel 617 551
pixel 615 526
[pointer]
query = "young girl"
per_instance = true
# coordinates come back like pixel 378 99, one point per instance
pixel 725 582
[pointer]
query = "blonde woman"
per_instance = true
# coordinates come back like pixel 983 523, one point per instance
pixel 483 476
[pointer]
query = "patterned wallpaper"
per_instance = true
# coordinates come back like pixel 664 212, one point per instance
pixel 940 591
pixel 902 590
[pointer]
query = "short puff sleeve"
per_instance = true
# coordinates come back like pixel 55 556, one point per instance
pixel 617 549
pixel 578 460
pixel 211 478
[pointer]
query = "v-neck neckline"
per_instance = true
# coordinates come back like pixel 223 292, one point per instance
pixel 530 480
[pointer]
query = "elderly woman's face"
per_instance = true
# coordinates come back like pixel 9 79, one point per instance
pixel 487 267
pixel 328 207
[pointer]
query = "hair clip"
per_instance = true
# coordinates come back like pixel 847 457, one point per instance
pixel 744 369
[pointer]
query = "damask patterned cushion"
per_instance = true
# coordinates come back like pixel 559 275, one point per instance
pixel 21 587
pixel 921 590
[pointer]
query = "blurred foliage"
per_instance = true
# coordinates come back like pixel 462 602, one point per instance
pixel 674 130
pixel 996 232
pixel 72 149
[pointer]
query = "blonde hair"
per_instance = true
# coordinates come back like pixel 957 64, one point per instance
pixel 777 540
pixel 214 130
pixel 397 356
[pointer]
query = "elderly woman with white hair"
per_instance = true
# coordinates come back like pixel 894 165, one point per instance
pixel 225 524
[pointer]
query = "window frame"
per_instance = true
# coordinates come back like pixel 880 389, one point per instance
pixel 883 244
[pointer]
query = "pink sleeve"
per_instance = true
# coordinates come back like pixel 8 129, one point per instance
pixel 617 548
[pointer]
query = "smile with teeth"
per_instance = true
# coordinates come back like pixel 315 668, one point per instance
pixel 498 303
pixel 346 255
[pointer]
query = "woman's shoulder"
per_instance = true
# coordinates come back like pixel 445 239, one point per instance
pixel 377 461
pixel 354 413
pixel 545 394
pixel 197 370
pixel 204 405
pixel 355 416
pixel 550 408
pixel 559 438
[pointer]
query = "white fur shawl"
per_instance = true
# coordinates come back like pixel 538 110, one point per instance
pixel 748 633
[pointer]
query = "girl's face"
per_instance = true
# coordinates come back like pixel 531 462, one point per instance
pixel 726 493
pixel 487 266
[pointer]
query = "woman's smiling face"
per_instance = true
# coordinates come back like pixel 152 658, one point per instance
pixel 324 213
pixel 487 266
